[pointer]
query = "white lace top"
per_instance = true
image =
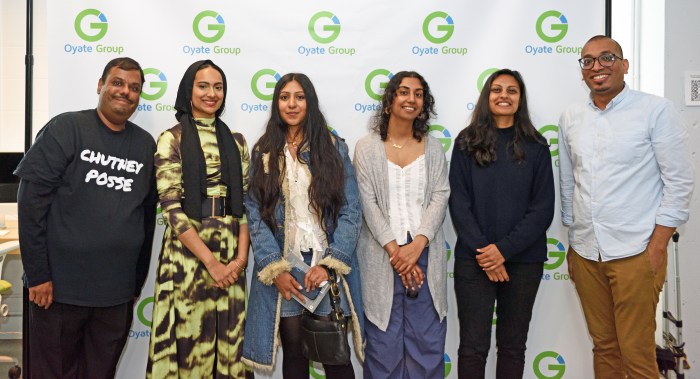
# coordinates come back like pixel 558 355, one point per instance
pixel 304 223
pixel 406 194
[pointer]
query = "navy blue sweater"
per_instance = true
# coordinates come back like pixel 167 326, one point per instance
pixel 506 203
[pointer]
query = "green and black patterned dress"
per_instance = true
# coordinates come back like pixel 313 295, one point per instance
pixel 197 329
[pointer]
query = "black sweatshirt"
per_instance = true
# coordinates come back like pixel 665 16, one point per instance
pixel 86 209
pixel 506 203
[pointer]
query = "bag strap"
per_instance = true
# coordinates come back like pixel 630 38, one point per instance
pixel 336 312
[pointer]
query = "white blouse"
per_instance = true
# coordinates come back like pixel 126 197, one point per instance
pixel 406 193
pixel 304 224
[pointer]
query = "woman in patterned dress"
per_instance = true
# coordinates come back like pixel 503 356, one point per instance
pixel 200 294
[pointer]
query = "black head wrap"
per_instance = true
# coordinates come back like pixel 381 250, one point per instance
pixel 194 171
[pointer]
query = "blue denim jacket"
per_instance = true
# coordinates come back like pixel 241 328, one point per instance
pixel 262 319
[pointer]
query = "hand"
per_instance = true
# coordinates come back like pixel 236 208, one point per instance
pixel 498 274
pixel 657 255
pixel 315 277
pixel 236 268
pixel 220 273
pixel 489 257
pixel 414 278
pixel 42 294
pixel 392 248
pixel 658 243
pixel 288 286
pixel 405 260
pixel 570 263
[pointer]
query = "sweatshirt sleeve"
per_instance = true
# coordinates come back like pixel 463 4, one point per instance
pixel 539 212
pixel 33 203
pixel 461 203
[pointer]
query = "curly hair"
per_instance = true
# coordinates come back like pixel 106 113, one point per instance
pixel 479 137
pixel 327 189
pixel 422 123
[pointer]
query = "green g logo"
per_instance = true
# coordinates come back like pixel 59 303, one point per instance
pixel 154 89
pixel 551 134
pixel 558 253
pixel 333 28
pixel 559 29
pixel 380 72
pixel 448 365
pixel 218 28
pixel 267 85
pixel 141 311
pixel 482 78
pixel 97 29
pixel 314 370
pixel 445 29
pixel 443 135
pixel 554 370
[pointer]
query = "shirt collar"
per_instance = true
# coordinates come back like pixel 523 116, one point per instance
pixel 614 102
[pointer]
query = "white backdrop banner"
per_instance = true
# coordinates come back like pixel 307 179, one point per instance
pixel 349 50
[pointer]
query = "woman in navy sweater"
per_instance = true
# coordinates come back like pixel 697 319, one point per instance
pixel 501 204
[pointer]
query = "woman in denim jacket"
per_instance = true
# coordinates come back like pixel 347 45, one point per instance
pixel 303 201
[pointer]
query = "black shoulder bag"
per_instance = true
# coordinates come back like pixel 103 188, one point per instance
pixel 326 341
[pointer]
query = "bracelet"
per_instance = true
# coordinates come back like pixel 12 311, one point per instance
pixel 242 268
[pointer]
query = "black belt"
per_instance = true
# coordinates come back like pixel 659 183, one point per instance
pixel 215 207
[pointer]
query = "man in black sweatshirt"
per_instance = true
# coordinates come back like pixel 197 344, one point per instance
pixel 86 206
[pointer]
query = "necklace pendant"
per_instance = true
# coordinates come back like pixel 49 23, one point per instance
pixel 395 146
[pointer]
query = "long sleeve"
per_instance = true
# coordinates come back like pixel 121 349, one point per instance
pixel 267 252
pixel 366 165
pixel 169 182
pixel 434 212
pixel 342 245
pixel 33 203
pixel 669 141
pixel 461 206
pixel 41 170
pixel 539 212
pixel 566 175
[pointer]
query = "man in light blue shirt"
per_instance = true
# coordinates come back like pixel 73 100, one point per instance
pixel 626 182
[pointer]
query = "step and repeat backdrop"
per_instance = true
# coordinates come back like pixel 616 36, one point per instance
pixel 349 50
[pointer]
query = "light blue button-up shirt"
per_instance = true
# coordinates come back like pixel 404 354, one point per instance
pixel 622 171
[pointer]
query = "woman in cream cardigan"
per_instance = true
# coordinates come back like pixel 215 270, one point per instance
pixel 402 174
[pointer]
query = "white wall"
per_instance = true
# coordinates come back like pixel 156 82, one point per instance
pixel 12 75
pixel 682 54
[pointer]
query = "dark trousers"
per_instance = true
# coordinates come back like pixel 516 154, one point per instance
pixel 70 341
pixel 476 295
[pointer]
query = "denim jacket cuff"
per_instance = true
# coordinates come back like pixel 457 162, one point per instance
pixel 269 273
pixel 335 264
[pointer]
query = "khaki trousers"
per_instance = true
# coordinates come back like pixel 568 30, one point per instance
pixel 619 299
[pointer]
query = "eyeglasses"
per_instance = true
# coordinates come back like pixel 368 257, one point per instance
pixel 605 60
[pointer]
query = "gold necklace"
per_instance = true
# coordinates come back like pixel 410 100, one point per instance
pixel 397 146
pixel 293 141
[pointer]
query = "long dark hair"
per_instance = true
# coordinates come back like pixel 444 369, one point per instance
pixel 422 123
pixel 326 191
pixel 479 137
